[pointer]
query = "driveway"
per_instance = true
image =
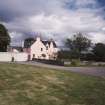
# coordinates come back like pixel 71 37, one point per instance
pixel 93 71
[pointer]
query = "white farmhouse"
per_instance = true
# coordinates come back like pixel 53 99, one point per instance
pixel 41 49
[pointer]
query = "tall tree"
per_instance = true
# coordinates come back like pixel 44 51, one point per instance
pixel 78 44
pixel 28 42
pixel 99 52
pixel 4 38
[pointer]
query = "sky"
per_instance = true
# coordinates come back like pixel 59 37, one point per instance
pixel 57 19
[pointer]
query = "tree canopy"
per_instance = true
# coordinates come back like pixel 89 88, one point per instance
pixel 99 52
pixel 77 44
pixel 28 42
pixel 4 38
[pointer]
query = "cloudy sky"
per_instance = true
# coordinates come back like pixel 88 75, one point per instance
pixel 57 19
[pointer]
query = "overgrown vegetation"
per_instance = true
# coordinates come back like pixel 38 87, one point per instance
pixel 30 85
pixel 80 47
pixel 4 38
pixel 78 44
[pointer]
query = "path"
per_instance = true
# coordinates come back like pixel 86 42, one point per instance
pixel 93 71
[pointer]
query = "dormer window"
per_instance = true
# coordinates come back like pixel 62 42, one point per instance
pixel 41 49
pixel 46 47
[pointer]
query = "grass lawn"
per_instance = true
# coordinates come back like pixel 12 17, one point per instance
pixel 30 85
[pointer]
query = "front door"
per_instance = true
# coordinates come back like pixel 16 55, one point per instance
pixel 29 57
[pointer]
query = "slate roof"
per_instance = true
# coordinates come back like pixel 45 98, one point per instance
pixel 44 42
pixel 48 42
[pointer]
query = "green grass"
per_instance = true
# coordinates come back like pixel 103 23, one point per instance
pixel 30 85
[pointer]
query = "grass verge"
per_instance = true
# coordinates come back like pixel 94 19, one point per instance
pixel 30 85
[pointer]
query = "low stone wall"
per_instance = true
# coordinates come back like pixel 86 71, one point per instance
pixel 52 62
pixel 7 56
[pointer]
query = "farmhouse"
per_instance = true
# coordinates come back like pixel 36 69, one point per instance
pixel 39 49
pixel 32 49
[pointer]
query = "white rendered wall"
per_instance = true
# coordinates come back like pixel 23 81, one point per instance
pixel 52 51
pixel 6 56
pixel 36 49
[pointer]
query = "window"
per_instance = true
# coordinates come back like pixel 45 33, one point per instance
pixel 43 55
pixel 46 47
pixel 41 49
pixel 33 55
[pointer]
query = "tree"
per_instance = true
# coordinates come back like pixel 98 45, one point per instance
pixel 28 42
pixel 99 52
pixel 63 55
pixel 4 38
pixel 78 44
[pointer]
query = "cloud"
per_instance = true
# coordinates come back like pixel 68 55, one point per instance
pixel 84 3
pixel 97 36
pixel 56 19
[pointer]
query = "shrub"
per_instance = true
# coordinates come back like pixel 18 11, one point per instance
pixel 75 62
pixel 52 62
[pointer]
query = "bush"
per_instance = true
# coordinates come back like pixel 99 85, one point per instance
pixel 75 62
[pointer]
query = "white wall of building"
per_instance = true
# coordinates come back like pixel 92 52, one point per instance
pixel 36 50
pixel 6 56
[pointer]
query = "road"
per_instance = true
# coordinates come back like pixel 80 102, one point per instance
pixel 93 71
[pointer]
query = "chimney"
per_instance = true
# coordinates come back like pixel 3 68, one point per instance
pixel 38 39
pixel 22 44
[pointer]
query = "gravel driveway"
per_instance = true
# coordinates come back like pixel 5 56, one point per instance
pixel 93 71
